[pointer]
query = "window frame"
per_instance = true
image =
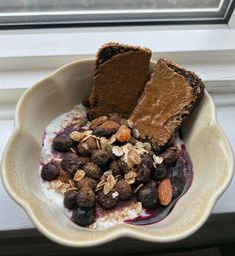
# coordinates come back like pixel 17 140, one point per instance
pixel 220 15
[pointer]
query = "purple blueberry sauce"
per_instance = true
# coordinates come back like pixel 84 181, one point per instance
pixel 181 177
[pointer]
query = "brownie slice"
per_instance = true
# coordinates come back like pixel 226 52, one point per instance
pixel 119 79
pixel 168 98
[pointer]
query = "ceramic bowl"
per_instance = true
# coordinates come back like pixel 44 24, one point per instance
pixel 206 143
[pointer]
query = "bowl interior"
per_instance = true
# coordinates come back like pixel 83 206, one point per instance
pixel 208 148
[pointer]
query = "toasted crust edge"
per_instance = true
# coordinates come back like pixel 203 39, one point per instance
pixel 120 48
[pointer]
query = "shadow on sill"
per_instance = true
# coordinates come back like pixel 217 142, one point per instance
pixel 216 237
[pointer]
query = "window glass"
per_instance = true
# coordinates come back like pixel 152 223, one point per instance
pixel 45 12
pixel 68 5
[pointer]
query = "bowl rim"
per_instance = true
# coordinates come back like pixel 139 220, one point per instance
pixel 121 230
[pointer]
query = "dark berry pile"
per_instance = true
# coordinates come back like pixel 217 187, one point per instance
pixel 108 163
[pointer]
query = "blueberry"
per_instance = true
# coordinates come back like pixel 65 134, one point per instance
pixel 107 201
pixel 86 197
pixel 92 170
pixel 147 161
pixel 143 174
pixel 70 199
pixel 71 164
pixel 84 217
pixel 123 165
pixel 144 169
pixel 62 142
pixel 100 157
pixel 114 167
pixel 86 148
pixel 50 172
pixel 87 182
pixel 177 186
pixel 178 169
pixel 148 197
pixel 124 189
pixel 159 172
pixel 86 103
pixel 170 157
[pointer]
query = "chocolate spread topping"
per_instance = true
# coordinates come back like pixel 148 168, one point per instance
pixel 167 97
pixel 119 82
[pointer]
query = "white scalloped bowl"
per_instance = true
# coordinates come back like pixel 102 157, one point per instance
pixel 206 143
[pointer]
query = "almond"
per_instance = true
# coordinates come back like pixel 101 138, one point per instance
pixel 165 192
pixel 98 121
pixel 107 129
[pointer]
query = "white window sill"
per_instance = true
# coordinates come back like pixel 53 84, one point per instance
pixel 27 56
pixel 85 41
